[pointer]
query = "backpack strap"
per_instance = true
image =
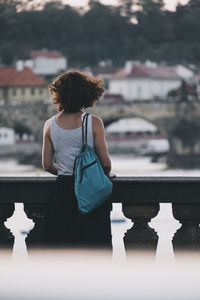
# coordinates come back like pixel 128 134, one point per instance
pixel 84 137
pixel 85 129
pixel 74 166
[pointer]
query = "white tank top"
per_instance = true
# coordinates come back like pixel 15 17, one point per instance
pixel 67 144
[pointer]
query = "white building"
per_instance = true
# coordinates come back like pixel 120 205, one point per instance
pixel 7 136
pixel 137 81
pixel 44 62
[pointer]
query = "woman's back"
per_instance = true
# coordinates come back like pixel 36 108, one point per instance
pixel 66 136
pixel 73 91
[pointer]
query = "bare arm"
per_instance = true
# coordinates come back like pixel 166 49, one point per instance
pixel 100 144
pixel 48 151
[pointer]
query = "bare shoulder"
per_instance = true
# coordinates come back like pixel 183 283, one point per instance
pixel 97 122
pixel 97 125
pixel 47 126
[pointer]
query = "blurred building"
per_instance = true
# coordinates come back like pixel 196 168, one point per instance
pixel 185 73
pixel 136 136
pixel 7 136
pixel 108 98
pixel 197 80
pixel 44 62
pixel 104 70
pixel 186 92
pixel 22 85
pixel 138 81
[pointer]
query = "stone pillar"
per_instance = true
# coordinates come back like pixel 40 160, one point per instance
pixel 187 237
pixel 6 237
pixel 37 213
pixel 140 236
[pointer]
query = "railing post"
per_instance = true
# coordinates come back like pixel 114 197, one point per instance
pixel 6 237
pixel 187 237
pixel 140 236
pixel 37 213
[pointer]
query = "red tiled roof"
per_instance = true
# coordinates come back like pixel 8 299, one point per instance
pixel 46 53
pixel 104 70
pixel 9 76
pixel 142 70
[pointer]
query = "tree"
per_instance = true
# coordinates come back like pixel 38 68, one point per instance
pixel 194 4
pixel 151 19
pixel 126 8
pixel 20 129
pixel 102 32
pixel 54 5
pixel 8 21
pixel 149 6
pixel 187 30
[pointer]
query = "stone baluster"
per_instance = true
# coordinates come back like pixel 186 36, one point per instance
pixel 6 237
pixel 140 236
pixel 187 237
pixel 37 213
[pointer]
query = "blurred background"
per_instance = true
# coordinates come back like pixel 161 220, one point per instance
pixel 147 52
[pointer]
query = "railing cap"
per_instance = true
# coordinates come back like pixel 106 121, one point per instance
pixel 122 179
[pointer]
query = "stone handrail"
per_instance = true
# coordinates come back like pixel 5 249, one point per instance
pixel 140 198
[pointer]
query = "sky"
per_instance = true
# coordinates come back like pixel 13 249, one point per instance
pixel 170 4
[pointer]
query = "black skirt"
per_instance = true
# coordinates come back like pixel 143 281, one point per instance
pixel 66 226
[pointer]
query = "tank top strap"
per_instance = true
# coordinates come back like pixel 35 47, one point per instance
pixel 52 124
pixel 90 123
pixel 90 137
pixel 53 120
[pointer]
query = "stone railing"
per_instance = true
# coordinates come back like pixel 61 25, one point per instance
pixel 140 198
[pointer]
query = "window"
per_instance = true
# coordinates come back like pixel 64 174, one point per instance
pixel 23 91
pixel 14 92
pixel 40 91
pixel 5 93
pixel 32 91
pixel 128 133
pixel 5 135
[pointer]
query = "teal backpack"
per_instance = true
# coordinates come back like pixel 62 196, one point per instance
pixel 92 187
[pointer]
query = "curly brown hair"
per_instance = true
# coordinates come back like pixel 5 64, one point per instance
pixel 74 90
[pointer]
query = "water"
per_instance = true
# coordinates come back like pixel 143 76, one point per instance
pixel 122 165
pixel 163 223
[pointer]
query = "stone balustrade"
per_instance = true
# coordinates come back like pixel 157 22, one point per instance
pixel 140 198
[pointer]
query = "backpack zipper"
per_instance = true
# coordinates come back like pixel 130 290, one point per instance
pixel 85 167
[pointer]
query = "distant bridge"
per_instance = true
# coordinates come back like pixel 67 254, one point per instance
pixel 28 116
pixel 164 115
pixel 179 122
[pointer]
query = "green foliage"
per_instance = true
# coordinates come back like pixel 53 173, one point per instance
pixel 20 129
pixel 102 32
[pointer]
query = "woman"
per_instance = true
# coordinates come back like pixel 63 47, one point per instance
pixel 73 91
